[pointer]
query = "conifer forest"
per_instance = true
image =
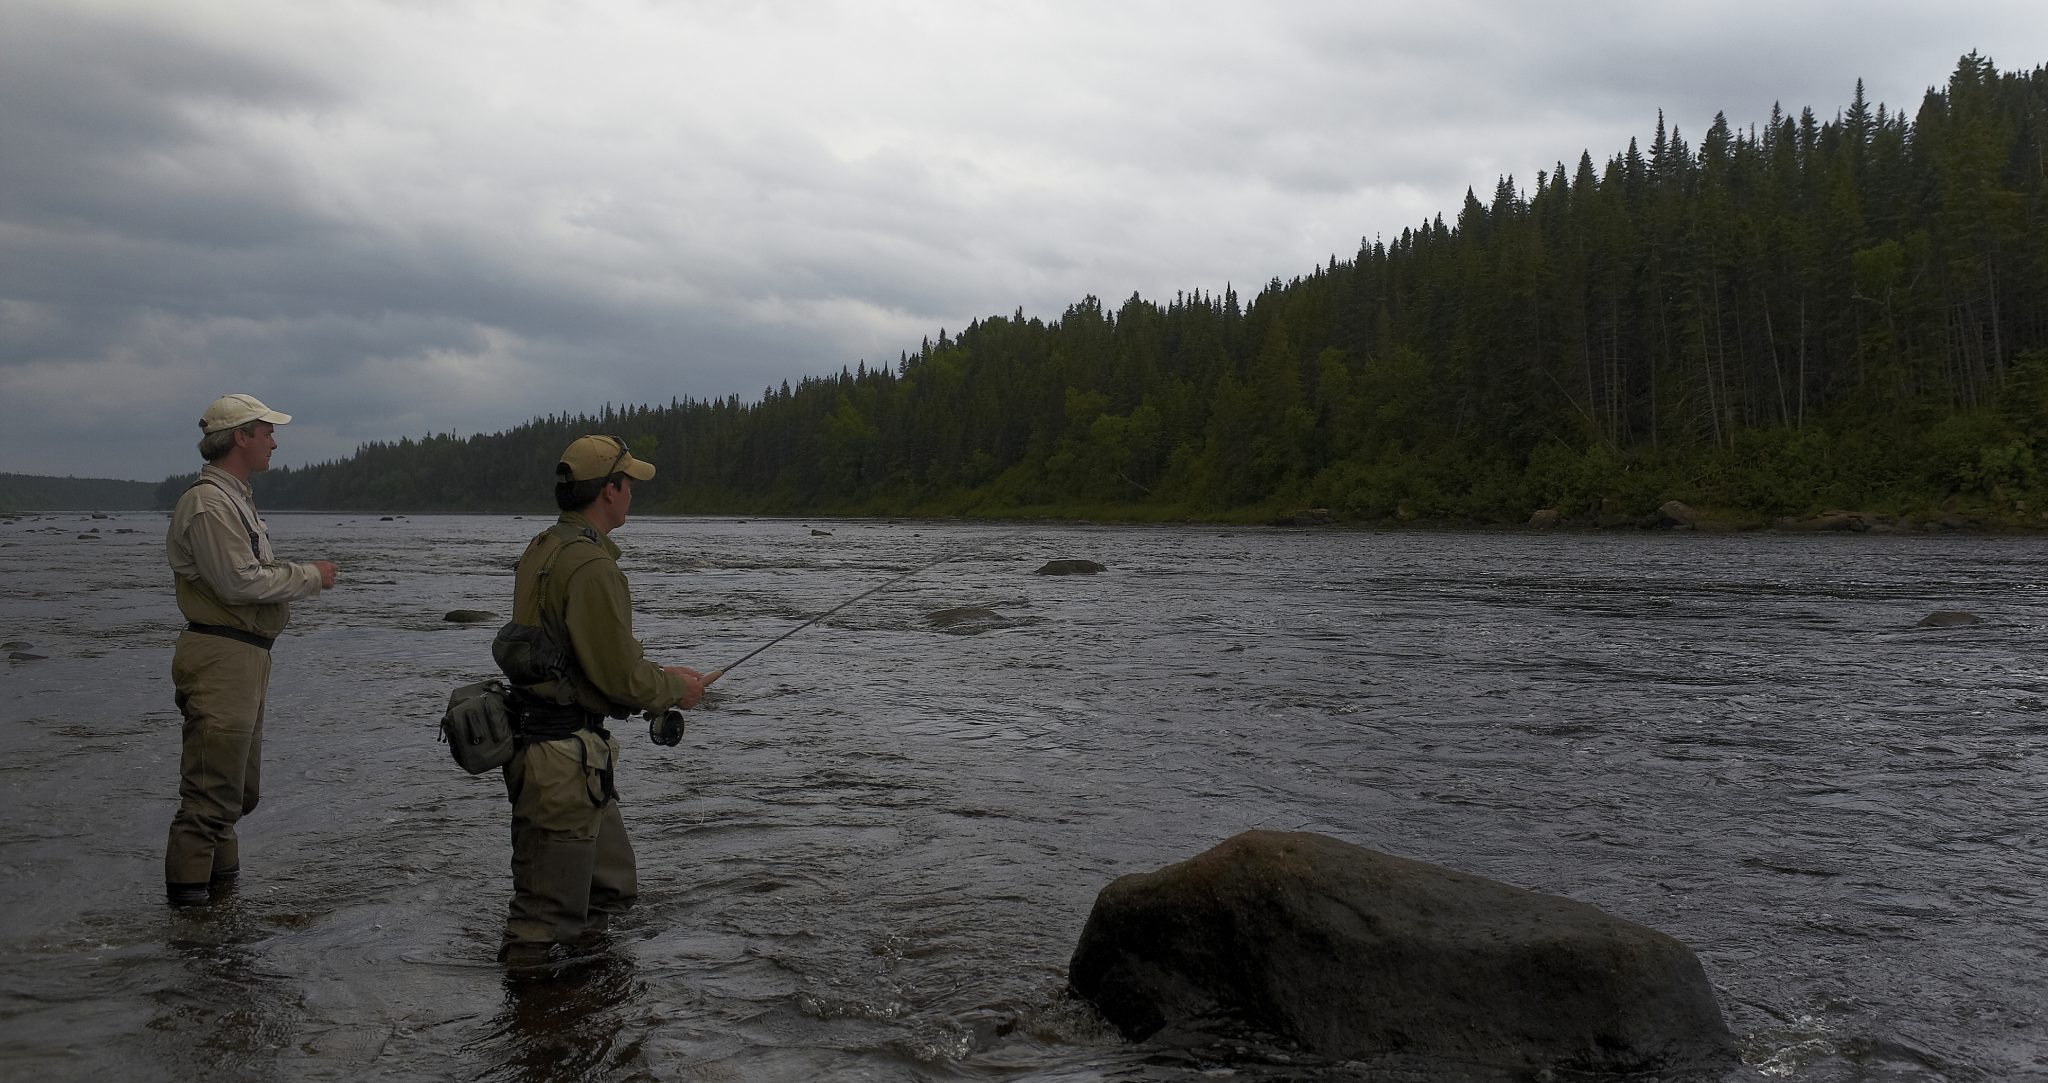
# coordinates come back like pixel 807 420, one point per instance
pixel 1787 317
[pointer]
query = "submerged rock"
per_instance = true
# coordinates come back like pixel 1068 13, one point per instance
pixel 16 645
pixel 1069 567
pixel 469 616
pixel 25 656
pixel 1949 618
pixel 1355 954
pixel 966 614
pixel 972 621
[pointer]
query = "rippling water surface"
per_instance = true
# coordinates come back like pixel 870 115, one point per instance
pixel 872 854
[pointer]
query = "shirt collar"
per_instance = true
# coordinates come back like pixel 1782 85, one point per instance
pixel 234 483
pixel 604 541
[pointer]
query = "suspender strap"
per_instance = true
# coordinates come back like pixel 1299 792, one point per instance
pixel 254 549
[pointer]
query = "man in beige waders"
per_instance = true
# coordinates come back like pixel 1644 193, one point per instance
pixel 572 865
pixel 235 596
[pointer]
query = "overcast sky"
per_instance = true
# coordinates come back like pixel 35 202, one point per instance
pixel 398 218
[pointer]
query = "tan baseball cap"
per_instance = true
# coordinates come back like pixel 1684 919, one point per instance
pixel 231 411
pixel 592 457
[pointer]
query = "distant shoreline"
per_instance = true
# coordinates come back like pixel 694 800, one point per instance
pixel 1847 523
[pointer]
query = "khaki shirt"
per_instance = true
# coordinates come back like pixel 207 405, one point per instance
pixel 586 597
pixel 219 580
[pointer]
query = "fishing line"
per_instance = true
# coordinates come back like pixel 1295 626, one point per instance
pixel 666 727
pixel 723 670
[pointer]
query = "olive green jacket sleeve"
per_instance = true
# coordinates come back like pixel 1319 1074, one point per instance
pixel 599 617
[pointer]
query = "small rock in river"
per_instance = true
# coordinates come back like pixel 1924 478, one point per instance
pixel 16 645
pixel 1949 618
pixel 1070 567
pixel 469 616
pixel 24 656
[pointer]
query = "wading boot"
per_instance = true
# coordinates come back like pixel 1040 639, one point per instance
pixel 531 960
pixel 525 955
pixel 185 894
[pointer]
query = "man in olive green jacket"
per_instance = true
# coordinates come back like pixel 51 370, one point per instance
pixel 235 596
pixel 572 865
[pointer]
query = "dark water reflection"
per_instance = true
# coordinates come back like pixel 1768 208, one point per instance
pixel 872 853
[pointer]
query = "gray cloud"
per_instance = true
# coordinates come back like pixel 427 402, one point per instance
pixel 401 219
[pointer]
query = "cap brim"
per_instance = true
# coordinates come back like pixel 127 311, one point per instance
pixel 272 416
pixel 637 470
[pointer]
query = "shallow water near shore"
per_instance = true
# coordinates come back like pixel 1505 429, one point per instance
pixel 876 846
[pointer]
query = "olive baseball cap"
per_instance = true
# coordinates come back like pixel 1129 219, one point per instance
pixel 233 411
pixel 593 457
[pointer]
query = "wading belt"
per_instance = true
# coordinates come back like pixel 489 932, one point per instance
pixel 542 721
pixel 226 632
pixel 539 722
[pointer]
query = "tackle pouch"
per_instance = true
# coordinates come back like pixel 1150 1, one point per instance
pixel 478 726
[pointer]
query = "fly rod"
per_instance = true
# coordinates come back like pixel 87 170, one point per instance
pixel 723 670
pixel 666 728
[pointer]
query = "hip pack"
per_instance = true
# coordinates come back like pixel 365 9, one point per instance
pixel 478 726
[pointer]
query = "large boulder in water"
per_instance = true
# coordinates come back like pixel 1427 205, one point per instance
pixel 1354 954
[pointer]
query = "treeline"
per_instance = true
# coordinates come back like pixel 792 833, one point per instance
pixel 1786 318
pixel 36 492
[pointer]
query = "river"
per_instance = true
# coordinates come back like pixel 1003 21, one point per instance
pixel 873 852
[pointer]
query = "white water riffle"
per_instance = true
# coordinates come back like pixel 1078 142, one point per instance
pixel 872 853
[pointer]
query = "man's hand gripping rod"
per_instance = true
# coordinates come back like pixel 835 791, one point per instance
pixel 667 728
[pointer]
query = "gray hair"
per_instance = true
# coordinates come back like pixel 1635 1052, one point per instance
pixel 214 445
